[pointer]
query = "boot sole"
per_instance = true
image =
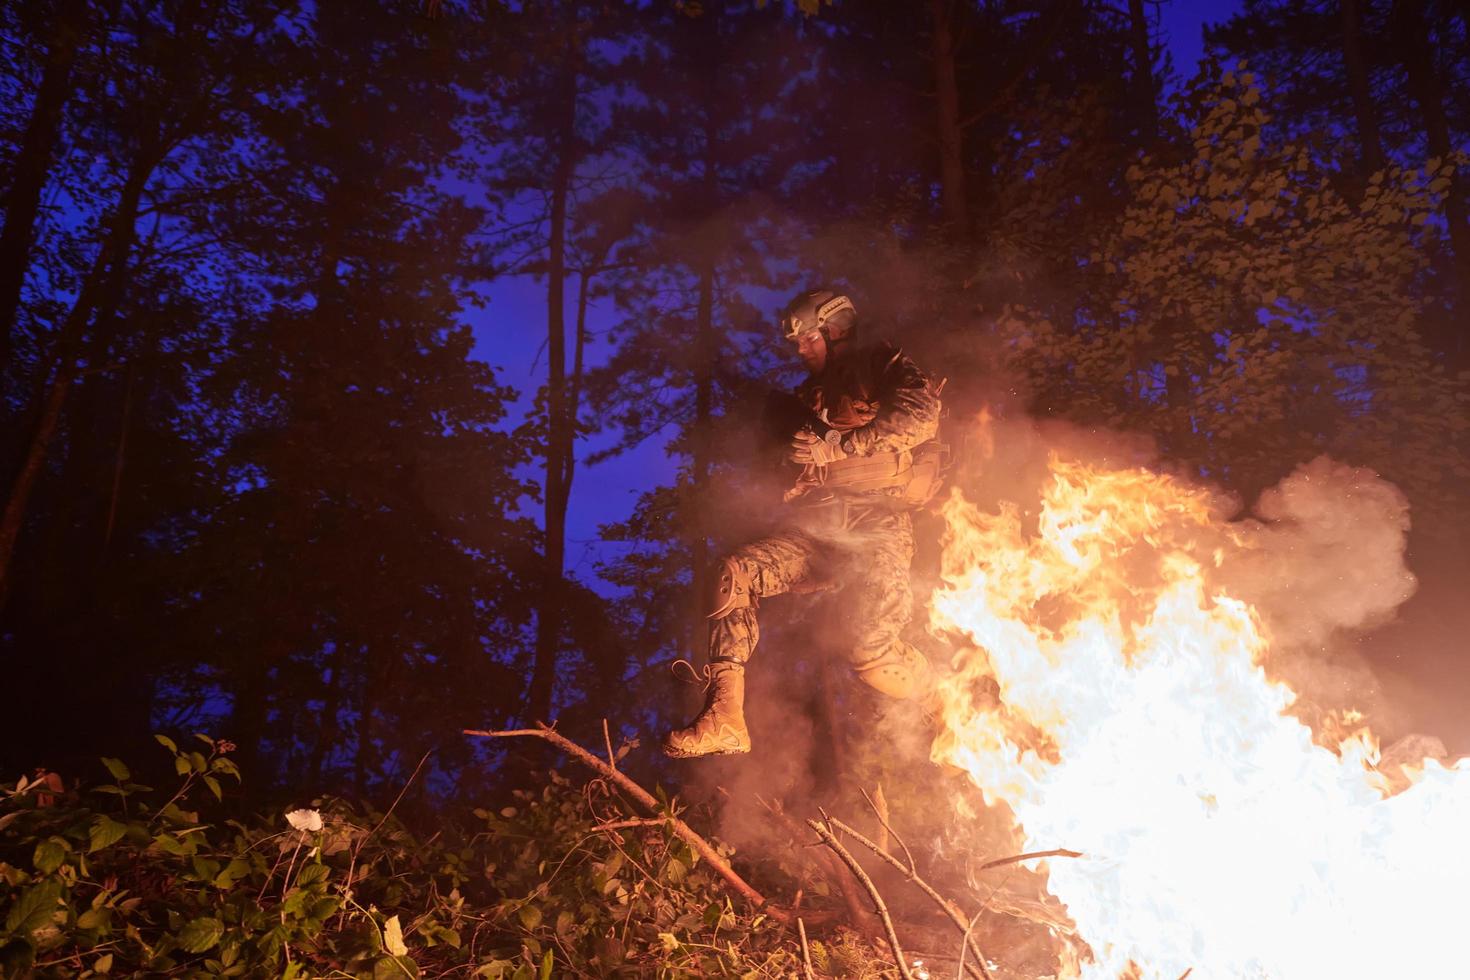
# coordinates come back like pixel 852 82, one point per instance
pixel 676 754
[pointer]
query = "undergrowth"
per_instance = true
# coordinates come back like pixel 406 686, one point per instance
pixel 126 880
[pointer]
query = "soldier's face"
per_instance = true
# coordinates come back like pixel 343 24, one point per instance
pixel 811 347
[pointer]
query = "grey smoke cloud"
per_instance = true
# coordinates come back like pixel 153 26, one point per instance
pixel 1324 553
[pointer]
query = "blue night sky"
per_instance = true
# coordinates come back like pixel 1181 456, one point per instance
pixel 510 334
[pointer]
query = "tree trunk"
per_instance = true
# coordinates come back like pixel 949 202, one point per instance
pixel 1370 145
pixel 31 166
pixel 951 132
pixel 702 451
pixel 30 472
pixel 559 428
pixel 1428 91
pixel 100 293
pixel 1145 90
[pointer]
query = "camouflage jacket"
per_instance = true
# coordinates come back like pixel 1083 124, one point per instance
pixel 877 397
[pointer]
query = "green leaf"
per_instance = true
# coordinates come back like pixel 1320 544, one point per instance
pixel 103 964
pixel 34 908
pixel 395 968
pixel 547 962
pixel 393 937
pixel 213 785
pixel 119 771
pixel 530 916
pixel 233 872
pixel 201 935
pixel 105 832
pixel 49 854
pixel 94 919
pixel 311 874
pixel 167 743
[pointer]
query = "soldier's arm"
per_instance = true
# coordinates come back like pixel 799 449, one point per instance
pixel 908 410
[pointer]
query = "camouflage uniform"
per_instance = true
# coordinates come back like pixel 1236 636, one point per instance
pixel 881 402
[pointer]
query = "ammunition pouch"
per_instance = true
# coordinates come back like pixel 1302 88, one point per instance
pixel 914 476
pixel 730 589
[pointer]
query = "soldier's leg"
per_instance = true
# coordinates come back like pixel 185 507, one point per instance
pixel 767 567
pixel 883 608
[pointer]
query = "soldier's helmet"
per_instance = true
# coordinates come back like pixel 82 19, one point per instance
pixel 819 309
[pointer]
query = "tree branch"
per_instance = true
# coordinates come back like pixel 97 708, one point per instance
pixel 824 832
pixel 1015 858
pixel 949 908
pixel 648 801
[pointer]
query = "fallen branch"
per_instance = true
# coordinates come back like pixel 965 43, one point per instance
pixel 830 839
pixel 965 945
pixel 806 954
pixel 858 915
pixel 949 908
pixel 1061 852
pixel 647 800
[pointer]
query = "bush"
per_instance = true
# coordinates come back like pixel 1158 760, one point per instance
pixel 563 882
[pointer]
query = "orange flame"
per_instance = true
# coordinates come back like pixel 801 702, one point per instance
pixel 1136 723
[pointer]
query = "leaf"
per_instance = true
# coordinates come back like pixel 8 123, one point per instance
pixel 547 962
pixel 103 964
pixel 213 785
pixel 395 968
pixel 94 919
pixel 49 854
pixel 119 771
pixel 233 872
pixel 34 907
pixel 393 937
pixel 201 935
pixel 105 832
pixel 167 743
pixel 530 916
pixel 311 874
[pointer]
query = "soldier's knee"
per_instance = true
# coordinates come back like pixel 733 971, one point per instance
pixel 900 672
pixel 729 588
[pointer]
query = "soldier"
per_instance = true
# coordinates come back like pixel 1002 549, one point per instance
pixel 868 458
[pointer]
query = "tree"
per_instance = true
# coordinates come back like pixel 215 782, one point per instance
pixel 1251 317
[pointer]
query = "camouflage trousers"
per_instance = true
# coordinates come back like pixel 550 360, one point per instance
pixel 867 547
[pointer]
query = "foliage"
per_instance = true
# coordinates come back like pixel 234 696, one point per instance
pixel 1250 316
pixel 562 882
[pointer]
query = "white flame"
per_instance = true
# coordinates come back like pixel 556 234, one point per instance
pixel 1137 725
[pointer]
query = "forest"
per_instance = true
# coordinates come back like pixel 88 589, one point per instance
pixel 279 525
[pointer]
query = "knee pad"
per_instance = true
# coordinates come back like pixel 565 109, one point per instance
pixel 901 672
pixel 730 589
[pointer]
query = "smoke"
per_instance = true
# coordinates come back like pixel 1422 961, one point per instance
pixel 1323 554
pixel 1323 561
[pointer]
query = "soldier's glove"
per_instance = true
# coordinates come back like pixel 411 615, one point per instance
pixel 809 449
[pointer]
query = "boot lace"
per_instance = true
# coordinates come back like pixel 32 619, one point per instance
pixel 705 676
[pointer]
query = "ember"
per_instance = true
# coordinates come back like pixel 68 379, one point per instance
pixel 1137 721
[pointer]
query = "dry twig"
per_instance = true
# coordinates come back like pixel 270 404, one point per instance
pixel 858 914
pixel 806 954
pixel 647 800
pixel 949 908
pixel 830 839
pixel 1014 858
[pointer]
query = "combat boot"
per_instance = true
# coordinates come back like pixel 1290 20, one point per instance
pixel 720 728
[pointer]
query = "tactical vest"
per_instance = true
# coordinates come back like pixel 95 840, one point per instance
pixel 846 397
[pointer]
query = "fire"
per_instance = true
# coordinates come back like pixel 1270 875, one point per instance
pixel 1119 704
